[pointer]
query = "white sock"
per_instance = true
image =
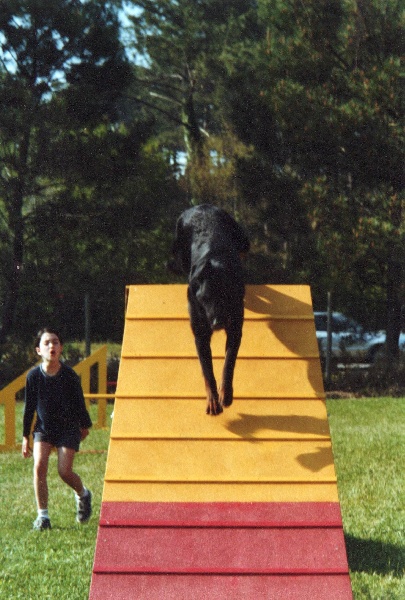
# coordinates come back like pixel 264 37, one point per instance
pixel 43 513
pixel 83 494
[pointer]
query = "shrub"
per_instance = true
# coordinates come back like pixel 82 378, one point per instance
pixel 383 378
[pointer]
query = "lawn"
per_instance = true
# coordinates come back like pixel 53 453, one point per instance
pixel 56 564
pixel 368 439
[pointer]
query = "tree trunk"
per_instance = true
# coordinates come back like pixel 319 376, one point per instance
pixel 195 146
pixel 16 224
pixel 13 284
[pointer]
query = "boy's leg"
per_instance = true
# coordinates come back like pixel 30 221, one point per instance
pixel 83 496
pixel 41 454
pixel 65 469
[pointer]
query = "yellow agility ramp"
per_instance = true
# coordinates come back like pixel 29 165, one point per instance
pixel 239 505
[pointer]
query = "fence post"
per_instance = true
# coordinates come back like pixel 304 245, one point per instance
pixel 83 370
pixel 7 397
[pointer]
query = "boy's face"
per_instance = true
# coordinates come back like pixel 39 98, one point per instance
pixel 49 347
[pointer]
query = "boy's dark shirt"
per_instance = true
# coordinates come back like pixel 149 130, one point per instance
pixel 58 401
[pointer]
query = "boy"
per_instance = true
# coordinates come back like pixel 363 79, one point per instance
pixel 54 392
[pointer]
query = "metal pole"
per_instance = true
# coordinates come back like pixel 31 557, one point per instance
pixel 328 359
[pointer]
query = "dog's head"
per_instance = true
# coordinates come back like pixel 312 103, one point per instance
pixel 219 292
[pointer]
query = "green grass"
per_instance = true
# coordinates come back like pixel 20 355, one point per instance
pixel 56 564
pixel 368 440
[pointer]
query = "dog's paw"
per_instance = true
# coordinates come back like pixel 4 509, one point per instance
pixel 213 406
pixel 225 396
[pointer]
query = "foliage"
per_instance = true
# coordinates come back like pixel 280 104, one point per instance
pixel 184 45
pixel 382 377
pixel 111 238
pixel 56 62
pixel 333 83
pixel 16 358
pixel 79 186
pixel 287 114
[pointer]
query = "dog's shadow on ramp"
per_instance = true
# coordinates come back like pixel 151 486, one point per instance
pixel 290 319
pixel 255 427
pixel 316 461
pixel 270 301
pixel 287 316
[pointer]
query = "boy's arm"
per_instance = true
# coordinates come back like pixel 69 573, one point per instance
pixel 25 448
pixel 83 414
pixel 84 432
pixel 30 406
pixel 29 411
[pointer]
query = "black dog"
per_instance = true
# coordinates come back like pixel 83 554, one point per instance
pixel 207 247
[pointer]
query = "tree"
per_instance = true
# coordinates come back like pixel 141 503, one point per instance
pixel 107 226
pixel 185 45
pixel 278 223
pixel 329 75
pixel 62 69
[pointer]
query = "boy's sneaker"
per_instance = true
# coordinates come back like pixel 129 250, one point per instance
pixel 42 523
pixel 83 508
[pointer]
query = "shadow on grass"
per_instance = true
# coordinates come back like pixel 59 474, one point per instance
pixel 371 556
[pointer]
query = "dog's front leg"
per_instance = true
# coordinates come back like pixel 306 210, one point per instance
pixel 233 340
pixel 204 354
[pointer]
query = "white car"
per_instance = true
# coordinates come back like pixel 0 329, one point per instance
pixel 349 339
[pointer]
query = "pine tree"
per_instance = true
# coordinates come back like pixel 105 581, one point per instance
pixel 62 68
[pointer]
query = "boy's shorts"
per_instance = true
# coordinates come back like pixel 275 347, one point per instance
pixel 68 439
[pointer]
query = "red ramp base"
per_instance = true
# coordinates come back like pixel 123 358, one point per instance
pixel 215 587
pixel 220 550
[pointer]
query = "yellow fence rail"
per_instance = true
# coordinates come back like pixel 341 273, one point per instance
pixel 83 369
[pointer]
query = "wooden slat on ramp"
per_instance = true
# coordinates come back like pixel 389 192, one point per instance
pixel 241 505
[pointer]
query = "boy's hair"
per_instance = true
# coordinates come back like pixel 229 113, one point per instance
pixel 47 330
